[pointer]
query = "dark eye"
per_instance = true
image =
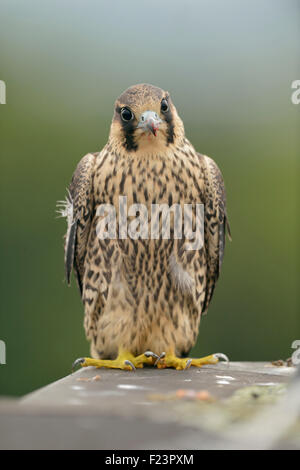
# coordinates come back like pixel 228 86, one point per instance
pixel 126 114
pixel 164 105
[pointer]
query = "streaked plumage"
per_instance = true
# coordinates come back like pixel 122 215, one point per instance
pixel 141 295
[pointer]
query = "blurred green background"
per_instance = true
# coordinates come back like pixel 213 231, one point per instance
pixel 229 66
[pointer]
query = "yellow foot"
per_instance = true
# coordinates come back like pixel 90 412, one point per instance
pixel 170 360
pixel 125 361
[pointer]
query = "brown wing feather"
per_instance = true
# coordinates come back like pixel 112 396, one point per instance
pixel 80 197
pixel 216 223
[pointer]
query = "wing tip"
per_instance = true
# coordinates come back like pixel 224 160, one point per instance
pixel 69 252
pixel 228 230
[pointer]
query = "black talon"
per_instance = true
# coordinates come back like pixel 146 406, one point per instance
pixel 151 354
pixel 159 358
pixel 129 363
pixel 78 361
pixel 222 356
pixel 188 363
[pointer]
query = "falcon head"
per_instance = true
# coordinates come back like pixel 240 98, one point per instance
pixel 145 119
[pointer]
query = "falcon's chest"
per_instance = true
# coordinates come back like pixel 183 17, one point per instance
pixel 163 179
pixel 131 187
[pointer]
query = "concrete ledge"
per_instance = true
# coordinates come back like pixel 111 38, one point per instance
pixel 146 409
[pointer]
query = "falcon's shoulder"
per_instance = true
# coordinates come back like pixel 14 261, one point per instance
pixel 216 222
pixel 78 210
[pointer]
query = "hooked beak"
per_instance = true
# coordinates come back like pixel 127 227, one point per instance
pixel 149 122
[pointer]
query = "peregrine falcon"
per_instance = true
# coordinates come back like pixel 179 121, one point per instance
pixel 144 295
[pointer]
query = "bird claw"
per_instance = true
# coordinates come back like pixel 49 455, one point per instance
pixel 163 354
pixel 129 363
pixel 151 354
pixel 78 361
pixel 188 364
pixel 221 356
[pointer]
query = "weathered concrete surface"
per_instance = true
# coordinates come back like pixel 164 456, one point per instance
pixel 127 392
pixel 149 409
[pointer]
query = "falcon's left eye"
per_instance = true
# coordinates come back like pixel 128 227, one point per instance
pixel 126 114
pixel 164 106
